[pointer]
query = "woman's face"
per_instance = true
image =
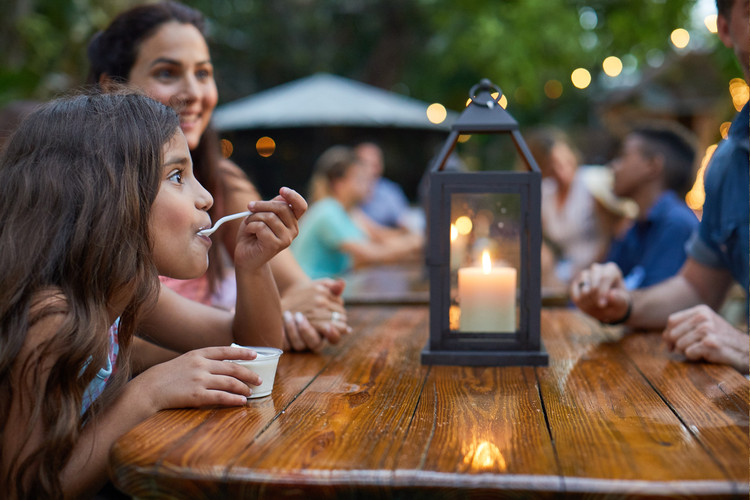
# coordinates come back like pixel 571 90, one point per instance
pixel 179 211
pixel 174 67
pixel 562 164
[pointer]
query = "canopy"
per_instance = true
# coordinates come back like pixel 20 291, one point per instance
pixel 325 100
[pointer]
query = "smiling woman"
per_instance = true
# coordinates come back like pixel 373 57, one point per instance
pixel 161 49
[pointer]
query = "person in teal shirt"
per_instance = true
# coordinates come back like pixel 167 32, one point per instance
pixel 334 235
pixel 326 228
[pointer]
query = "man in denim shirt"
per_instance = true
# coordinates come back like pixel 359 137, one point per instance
pixel 686 304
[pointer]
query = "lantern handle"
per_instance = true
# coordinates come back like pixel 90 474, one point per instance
pixel 485 84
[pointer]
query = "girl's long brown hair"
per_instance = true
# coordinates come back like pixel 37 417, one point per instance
pixel 113 51
pixel 79 177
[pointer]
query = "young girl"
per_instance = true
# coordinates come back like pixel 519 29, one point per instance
pixel 97 198
pixel 161 49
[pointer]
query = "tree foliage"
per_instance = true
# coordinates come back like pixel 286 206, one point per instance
pixel 433 50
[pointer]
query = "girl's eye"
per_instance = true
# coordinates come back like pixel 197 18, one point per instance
pixel 203 74
pixel 175 177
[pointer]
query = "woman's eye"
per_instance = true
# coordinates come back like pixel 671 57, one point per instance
pixel 203 74
pixel 164 74
pixel 175 176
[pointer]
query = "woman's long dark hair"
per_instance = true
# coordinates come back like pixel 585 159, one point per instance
pixel 79 177
pixel 113 53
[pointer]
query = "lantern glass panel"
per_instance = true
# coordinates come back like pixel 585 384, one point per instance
pixel 485 262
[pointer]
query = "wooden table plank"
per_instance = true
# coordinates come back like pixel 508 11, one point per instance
pixel 352 417
pixel 712 403
pixel 479 427
pixel 607 422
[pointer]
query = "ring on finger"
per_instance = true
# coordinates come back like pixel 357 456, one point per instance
pixel 335 315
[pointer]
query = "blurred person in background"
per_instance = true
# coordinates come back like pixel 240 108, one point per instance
pixel 331 240
pixel 655 168
pixel 385 203
pixel 572 236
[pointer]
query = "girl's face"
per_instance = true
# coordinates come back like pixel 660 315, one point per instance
pixel 174 67
pixel 354 186
pixel 178 213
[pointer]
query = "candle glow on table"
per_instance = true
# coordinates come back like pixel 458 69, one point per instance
pixel 487 297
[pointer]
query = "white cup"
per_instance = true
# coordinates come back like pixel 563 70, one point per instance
pixel 264 365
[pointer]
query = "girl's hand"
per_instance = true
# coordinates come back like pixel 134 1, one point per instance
pixel 200 378
pixel 270 229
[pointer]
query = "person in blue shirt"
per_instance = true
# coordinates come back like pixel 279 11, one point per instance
pixel 385 201
pixel 685 305
pixel 654 169
pixel 331 239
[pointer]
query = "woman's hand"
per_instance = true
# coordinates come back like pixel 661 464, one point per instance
pixel 313 313
pixel 199 378
pixel 271 228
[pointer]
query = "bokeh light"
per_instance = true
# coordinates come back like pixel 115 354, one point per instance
pixel 696 196
pixel 612 66
pixel 464 225
pixel 724 129
pixel 227 148
pixel 739 91
pixel 710 22
pixel 553 89
pixel 680 38
pixel 265 146
pixel 581 78
pixel 436 113
pixel 503 100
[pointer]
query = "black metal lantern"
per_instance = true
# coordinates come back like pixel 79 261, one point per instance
pixel 484 231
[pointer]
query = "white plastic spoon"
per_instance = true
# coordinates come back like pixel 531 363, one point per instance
pixel 210 231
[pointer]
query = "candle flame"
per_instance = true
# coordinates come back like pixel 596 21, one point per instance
pixel 486 262
pixel 454 232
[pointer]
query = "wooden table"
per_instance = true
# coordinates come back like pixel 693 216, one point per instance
pixel 610 417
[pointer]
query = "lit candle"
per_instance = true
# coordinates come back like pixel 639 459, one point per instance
pixel 487 297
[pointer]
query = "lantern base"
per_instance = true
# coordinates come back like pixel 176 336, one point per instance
pixel 485 358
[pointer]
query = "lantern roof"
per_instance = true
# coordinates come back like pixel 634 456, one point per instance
pixel 484 114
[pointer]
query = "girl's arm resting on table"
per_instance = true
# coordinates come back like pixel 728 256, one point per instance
pixel 198 378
